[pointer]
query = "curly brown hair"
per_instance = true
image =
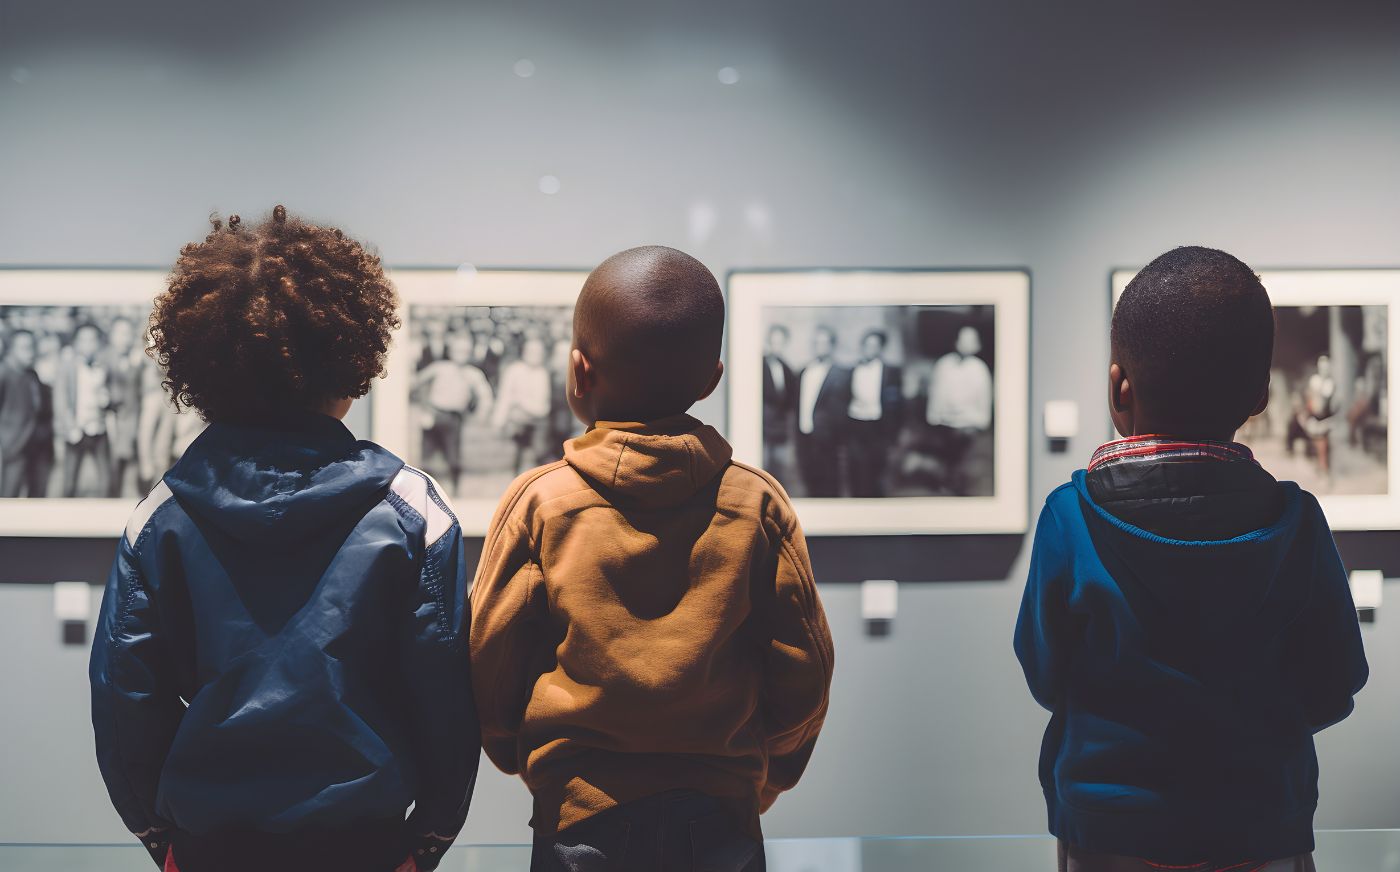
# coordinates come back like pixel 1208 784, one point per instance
pixel 285 316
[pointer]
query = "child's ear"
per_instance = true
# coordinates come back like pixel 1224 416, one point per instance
pixel 714 381
pixel 582 371
pixel 1263 403
pixel 1120 400
pixel 1120 389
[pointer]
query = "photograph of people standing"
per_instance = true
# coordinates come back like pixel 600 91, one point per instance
pixel 876 413
pixel 81 404
pixel 1327 422
pixel 81 399
pixel 125 358
pixel 887 401
pixel 823 397
pixel 959 410
pixel 779 401
pixel 487 396
pixel 523 406
pixel 26 420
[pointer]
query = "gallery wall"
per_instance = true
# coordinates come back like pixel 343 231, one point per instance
pixel 967 134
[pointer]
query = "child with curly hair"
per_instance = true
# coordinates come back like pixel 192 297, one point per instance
pixel 280 668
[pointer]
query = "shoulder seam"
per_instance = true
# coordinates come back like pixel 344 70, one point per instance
pixel 134 536
pixel 785 524
pixel 511 500
pixel 430 490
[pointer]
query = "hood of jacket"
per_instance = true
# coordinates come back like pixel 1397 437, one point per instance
pixel 653 465
pixel 281 482
pixel 1208 585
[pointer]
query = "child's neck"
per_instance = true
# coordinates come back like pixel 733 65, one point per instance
pixel 1183 435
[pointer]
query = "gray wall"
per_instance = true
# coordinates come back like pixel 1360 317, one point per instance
pixel 871 134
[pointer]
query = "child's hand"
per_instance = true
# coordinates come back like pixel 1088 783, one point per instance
pixel 407 866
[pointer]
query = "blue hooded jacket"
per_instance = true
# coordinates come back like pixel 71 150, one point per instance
pixel 1186 679
pixel 281 650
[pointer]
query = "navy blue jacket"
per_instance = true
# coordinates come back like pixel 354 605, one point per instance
pixel 1186 679
pixel 281 651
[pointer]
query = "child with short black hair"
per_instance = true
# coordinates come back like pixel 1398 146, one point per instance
pixel 653 655
pixel 1187 618
pixel 280 668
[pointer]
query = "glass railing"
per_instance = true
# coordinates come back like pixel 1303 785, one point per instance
pixel 1337 851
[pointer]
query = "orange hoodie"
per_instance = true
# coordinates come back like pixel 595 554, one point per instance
pixel 644 619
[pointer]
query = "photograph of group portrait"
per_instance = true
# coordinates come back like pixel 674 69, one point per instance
pixel 86 429
pixel 885 401
pixel 1327 422
pixel 474 394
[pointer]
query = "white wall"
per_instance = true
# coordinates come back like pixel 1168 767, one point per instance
pixel 992 133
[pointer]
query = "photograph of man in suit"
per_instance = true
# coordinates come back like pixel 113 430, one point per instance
pixel 80 411
pixel 824 396
pixel 779 403
pixel 876 413
pixel 26 422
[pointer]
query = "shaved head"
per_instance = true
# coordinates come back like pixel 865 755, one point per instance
pixel 650 320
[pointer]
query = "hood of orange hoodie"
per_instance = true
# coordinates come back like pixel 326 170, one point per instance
pixel 654 465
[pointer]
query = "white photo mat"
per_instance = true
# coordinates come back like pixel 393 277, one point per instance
pixel 1006 510
pixel 1342 287
pixel 59 516
pixel 392 419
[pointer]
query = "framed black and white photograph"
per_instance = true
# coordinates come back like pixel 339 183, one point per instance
pixel 885 401
pixel 474 393
pixel 86 429
pixel 1327 425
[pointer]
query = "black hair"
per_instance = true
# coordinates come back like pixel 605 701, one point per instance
pixel 1194 333
pixel 89 325
pixel 15 334
pixel 653 317
pixel 280 317
pixel 878 334
pixel 780 328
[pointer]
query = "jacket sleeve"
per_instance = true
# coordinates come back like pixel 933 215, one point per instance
pixel 1329 661
pixel 437 675
pixel 507 616
pixel 797 666
pixel 136 707
pixel 1044 631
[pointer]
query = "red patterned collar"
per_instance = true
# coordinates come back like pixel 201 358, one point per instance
pixel 1140 449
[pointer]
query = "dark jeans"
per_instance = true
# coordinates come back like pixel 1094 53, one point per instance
pixel 370 846
pixel 95 447
pixel 1074 859
pixel 676 831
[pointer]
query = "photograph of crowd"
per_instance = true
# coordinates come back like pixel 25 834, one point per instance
pixel 487 399
pixel 1327 422
pixel 880 401
pixel 82 410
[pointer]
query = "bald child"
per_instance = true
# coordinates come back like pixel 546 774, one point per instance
pixel 649 649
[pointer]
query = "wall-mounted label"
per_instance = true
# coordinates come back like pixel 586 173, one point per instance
pixel 879 600
pixel 72 600
pixel 1061 419
pixel 1366 585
